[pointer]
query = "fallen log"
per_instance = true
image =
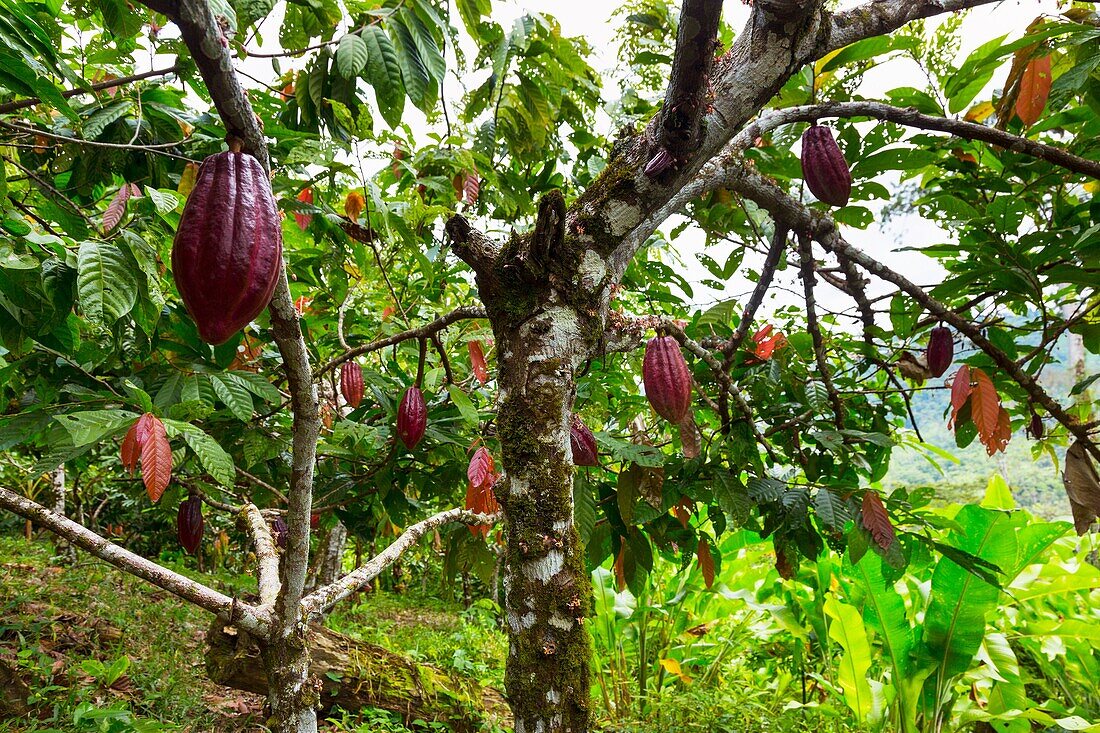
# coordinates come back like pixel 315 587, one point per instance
pixel 354 674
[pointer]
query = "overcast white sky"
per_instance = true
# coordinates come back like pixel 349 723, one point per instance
pixel 592 19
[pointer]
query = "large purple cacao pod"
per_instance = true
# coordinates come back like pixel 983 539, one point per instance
pixel 412 417
pixel 228 246
pixel 666 378
pixel 824 168
pixel 940 351
pixel 351 383
pixel 189 524
pixel 583 443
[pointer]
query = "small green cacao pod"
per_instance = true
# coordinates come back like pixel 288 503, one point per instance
pixel 940 350
pixel 666 378
pixel 228 247
pixel 824 168
pixel 189 524
pixel 412 417
pixel 351 383
pixel 583 443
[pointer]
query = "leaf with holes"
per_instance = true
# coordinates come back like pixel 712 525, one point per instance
pixel 876 520
pixel 477 361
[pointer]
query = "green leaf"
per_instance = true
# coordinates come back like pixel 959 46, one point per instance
pixel 465 406
pixel 212 456
pixel 105 284
pixel 415 73
pixel 352 56
pixel 164 200
pixel 257 385
pixel 384 74
pixel 847 630
pixel 235 396
pixel 86 428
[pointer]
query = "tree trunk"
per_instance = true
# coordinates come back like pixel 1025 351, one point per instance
pixel 355 675
pixel 329 563
pixel 546 588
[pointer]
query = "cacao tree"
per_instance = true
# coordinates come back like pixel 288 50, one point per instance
pixel 463 271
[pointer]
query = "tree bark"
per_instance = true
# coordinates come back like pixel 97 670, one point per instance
pixel 355 675
pixel 328 565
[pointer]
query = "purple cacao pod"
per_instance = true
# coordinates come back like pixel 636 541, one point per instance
pixel 228 247
pixel 583 443
pixel 279 532
pixel 824 168
pixel 666 378
pixel 661 161
pixel 1035 426
pixel 940 351
pixel 412 417
pixel 351 383
pixel 189 524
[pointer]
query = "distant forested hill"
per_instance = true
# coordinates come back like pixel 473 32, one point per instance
pixel 1035 480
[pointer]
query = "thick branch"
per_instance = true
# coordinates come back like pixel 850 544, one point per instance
pixel 679 130
pixel 472 247
pixel 768 195
pixel 425 331
pixel 267 556
pixel 912 118
pixel 322 599
pixel 877 17
pixel 7 107
pixel 254 620
pixel 775 252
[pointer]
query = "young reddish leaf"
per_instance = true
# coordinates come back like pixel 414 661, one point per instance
pixel 480 470
pixel 706 561
pixel 876 520
pixel 481 499
pixel 960 392
pixel 618 567
pixel 306 197
pixel 683 510
pixel 116 209
pixel 477 361
pixel 156 457
pixel 398 154
pixel 135 191
pixel 131 451
pixel 354 205
pixel 1034 90
pixel 1003 434
pixel 471 186
pixel 985 409
pixel 690 439
pixel 301 304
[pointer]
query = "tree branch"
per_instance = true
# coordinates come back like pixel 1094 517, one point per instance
pixel 7 107
pixel 912 118
pixel 806 257
pixel 877 17
pixel 322 599
pixel 267 556
pixel 253 620
pixel 472 247
pixel 426 331
pixel 751 184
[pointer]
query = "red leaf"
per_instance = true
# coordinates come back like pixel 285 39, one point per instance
pixel 683 510
pixel 135 192
pixel 985 409
pixel 960 392
pixel 131 451
pixel 1034 90
pixel 477 361
pixel 876 520
pixel 306 197
pixel 999 440
pixel 116 209
pixel 482 500
pixel 706 561
pixel 480 470
pixel 156 457
pixel 471 187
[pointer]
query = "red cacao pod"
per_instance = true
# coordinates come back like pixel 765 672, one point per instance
pixel 351 383
pixel 666 378
pixel 189 524
pixel 824 168
pixel 228 246
pixel 279 532
pixel 412 417
pixel 940 351
pixel 583 443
